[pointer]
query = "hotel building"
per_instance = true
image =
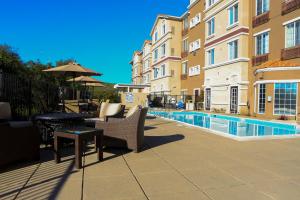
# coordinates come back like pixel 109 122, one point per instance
pixel 275 52
pixel 137 65
pixel 226 55
pixel 193 34
pixel 147 62
pixel 166 55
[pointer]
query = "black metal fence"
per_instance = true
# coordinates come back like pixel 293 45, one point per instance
pixel 27 96
pixel 175 101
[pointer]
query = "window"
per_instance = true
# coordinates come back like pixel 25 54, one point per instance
pixel 262 43
pixel 155 71
pixel 184 68
pixel 262 99
pixel 163 50
pixel 155 36
pixel 163 70
pixel 195 20
pixel 292 34
pixel 193 71
pixel 155 54
pixel 163 28
pixel 211 57
pixel 195 45
pixel 233 50
pixel 262 6
pixel 211 27
pixel 185 45
pixel 185 23
pixel 209 3
pixel 233 12
pixel 285 98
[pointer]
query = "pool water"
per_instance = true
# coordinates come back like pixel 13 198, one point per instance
pixel 231 126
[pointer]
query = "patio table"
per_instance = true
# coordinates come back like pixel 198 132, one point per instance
pixel 79 135
pixel 49 122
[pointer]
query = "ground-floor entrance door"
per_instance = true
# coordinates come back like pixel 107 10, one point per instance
pixel 234 99
pixel 208 99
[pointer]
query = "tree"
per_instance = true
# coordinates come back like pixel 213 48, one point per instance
pixel 10 61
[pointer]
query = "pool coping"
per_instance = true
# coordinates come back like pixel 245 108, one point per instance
pixel 233 137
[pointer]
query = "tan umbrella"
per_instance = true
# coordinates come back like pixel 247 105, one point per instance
pixel 73 69
pixel 85 79
pixel 88 81
pixel 95 85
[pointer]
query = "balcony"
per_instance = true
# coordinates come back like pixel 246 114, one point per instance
pixel 289 6
pixel 183 76
pixel 184 54
pixel 260 19
pixel 257 60
pixel 290 53
pixel 185 32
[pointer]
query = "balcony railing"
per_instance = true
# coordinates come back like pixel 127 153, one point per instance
pixel 184 54
pixel 185 32
pixel 183 76
pixel 260 19
pixel 257 60
pixel 290 6
pixel 290 53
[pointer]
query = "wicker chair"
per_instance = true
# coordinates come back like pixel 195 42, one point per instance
pixel 127 132
pixel 19 140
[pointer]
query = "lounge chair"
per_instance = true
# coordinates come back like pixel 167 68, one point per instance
pixel 19 140
pixel 107 110
pixel 127 132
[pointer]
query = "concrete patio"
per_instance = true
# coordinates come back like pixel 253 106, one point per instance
pixel 179 162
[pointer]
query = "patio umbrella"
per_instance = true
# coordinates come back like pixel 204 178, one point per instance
pixel 73 69
pixel 85 80
pixel 93 85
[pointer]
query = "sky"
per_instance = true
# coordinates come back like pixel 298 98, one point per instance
pixel 99 34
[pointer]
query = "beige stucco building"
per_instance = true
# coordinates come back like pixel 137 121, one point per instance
pixel 137 65
pixel 166 55
pixel 147 62
pixel 226 56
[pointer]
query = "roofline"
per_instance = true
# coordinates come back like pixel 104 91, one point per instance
pixel 120 85
pixel 167 17
pixel 134 53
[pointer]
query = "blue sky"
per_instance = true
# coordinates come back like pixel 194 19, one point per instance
pixel 99 34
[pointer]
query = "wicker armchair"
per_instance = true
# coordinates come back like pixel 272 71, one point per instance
pixel 19 140
pixel 127 132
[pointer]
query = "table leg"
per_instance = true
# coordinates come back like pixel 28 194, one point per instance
pixel 57 147
pixel 99 146
pixel 78 152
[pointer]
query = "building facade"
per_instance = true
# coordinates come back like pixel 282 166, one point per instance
pixel 166 55
pixel 137 65
pixel 226 56
pixel 275 52
pixel 193 34
pixel 147 62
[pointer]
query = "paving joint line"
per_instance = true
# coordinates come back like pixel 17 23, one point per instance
pixel 19 192
pixel 190 181
pixel 134 176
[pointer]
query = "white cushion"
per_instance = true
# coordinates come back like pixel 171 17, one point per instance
pixel 5 110
pixel 113 109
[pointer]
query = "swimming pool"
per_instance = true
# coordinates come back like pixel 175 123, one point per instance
pixel 233 127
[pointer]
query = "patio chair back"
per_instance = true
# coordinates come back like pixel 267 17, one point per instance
pixel 5 111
